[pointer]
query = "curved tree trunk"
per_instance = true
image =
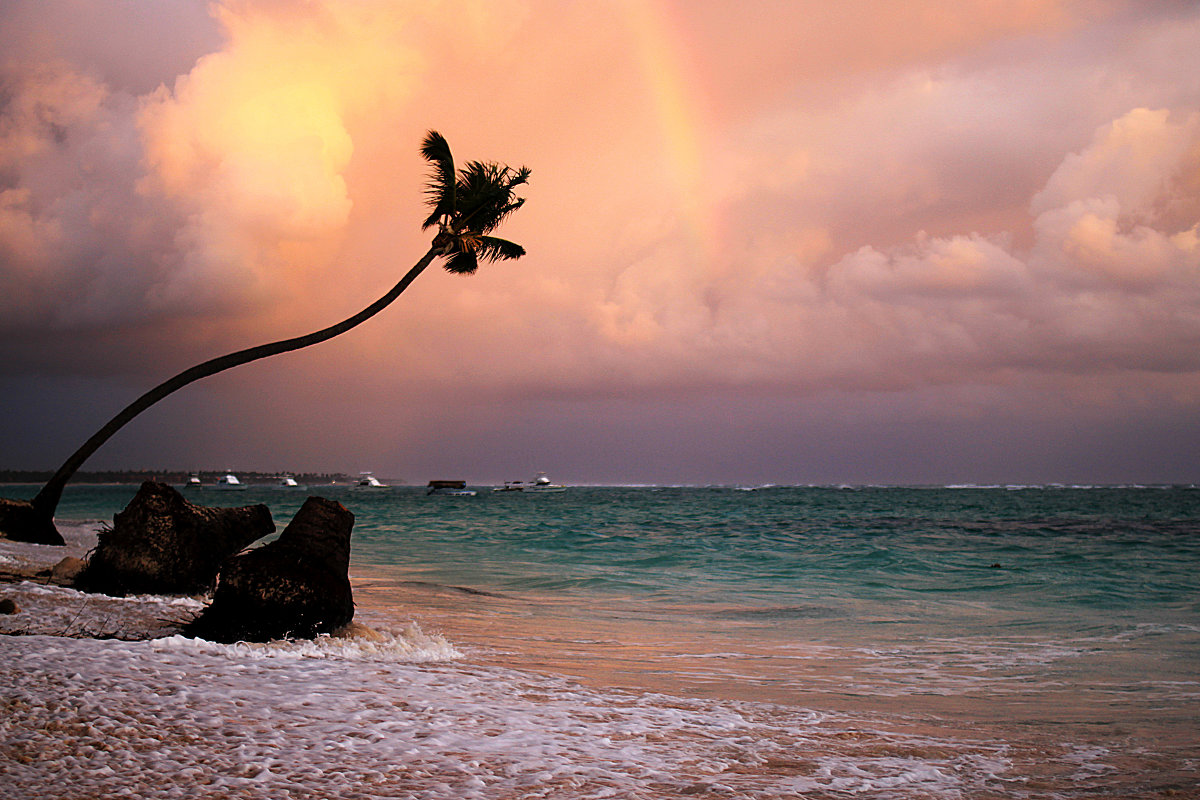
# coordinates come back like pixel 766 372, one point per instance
pixel 47 499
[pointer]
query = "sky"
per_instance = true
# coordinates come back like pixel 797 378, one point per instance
pixel 937 241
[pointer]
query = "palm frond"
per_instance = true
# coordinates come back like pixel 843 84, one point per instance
pixel 519 176
pixel 442 187
pixel 490 248
pixel 501 214
pixel 486 195
pixel 463 262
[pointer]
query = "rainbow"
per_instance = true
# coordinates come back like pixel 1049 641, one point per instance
pixel 666 63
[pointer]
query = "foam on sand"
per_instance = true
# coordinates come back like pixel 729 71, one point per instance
pixel 400 714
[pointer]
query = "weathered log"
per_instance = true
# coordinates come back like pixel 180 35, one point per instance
pixel 21 522
pixel 163 544
pixel 294 587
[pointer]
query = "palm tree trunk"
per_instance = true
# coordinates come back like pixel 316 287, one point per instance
pixel 47 499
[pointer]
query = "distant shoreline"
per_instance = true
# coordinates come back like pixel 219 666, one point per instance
pixel 168 476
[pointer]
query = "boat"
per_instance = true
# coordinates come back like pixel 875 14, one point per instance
pixel 193 482
pixel 542 484
pixel 451 488
pixel 368 481
pixel 229 481
pixel 288 482
pixel 539 484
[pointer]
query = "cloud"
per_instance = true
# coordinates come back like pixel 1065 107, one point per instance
pixel 130 47
pixel 190 200
pixel 253 143
pixel 1109 281
pixel 1140 160
pixel 69 216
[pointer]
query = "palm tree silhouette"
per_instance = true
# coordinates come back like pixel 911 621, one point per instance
pixel 467 205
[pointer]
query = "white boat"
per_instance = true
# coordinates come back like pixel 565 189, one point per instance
pixel 288 482
pixel 542 484
pixel 229 481
pixel 193 482
pixel 539 484
pixel 368 481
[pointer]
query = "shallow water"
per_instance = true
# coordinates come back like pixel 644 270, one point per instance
pixel 940 643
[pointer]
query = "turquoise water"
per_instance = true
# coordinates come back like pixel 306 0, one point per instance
pixel 1060 626
pixel 1061 553
pixel 1032 549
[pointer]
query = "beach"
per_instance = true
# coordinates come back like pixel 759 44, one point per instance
pixel 648 643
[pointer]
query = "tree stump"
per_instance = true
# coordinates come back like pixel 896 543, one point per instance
pixel 20 522
pixel 294 587
pixel 162 544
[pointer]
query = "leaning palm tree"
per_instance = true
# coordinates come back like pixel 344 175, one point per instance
pixel 467 205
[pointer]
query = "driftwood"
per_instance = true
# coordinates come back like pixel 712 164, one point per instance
pixel 294 587
pixel 162 544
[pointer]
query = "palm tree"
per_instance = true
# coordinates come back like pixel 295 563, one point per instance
pixel 467 205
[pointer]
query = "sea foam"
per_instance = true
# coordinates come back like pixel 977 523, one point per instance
pixel 113 719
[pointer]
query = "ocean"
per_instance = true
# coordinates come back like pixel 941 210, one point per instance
pixel 647 642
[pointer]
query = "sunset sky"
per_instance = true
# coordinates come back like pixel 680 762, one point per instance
pixel 933 241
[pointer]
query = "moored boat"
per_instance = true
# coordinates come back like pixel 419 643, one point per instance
pixel 451 488
pixel 229 481
pixel 368 481
pixel 542 484
pixel 539 484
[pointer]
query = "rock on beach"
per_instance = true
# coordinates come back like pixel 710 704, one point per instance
pixel 297 586
pixel 163 544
